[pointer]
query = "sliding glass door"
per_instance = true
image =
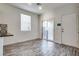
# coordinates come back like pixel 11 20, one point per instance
pixel 48 30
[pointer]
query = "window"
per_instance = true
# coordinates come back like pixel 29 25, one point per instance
pixel 25 22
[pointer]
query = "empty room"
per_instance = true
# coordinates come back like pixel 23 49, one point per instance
pixel 39 29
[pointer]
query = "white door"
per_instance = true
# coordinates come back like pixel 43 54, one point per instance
pixel 69 28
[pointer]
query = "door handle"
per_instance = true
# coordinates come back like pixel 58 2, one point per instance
pixel 62 30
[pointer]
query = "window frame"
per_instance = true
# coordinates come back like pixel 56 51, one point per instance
pixel 29 26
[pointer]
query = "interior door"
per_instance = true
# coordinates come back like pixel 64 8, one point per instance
pixel 69 30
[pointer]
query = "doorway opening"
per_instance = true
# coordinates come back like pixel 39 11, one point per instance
pixel 48 30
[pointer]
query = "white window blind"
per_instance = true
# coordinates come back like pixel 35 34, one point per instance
pixel 25 22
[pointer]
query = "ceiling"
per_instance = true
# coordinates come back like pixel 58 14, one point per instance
pixel 34 7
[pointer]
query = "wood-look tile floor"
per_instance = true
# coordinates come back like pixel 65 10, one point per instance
pixel 39 48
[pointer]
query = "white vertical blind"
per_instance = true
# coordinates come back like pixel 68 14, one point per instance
pixel 25 22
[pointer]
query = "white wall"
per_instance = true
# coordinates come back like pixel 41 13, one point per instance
pixel 64 10
pixel 47 15
pixel 11 16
